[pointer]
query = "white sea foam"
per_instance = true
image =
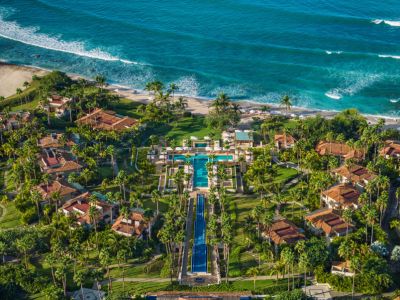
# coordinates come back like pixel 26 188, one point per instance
pixel 394 100
pixel 354 83
pixel 31 36
pixel 387 22
pixel 187 85
pixel 334 94
pixel 389 56
pixel 333 52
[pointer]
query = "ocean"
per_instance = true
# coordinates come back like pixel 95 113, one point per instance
pixel 328 55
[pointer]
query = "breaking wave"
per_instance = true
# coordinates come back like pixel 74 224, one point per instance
pixel 31 36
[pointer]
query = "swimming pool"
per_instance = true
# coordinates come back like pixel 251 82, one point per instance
pixel 199 162
pixel 200 145
pixel 199 251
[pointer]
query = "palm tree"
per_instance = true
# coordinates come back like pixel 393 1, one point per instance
pixel 155 197
pixel 347 217
pixel 286 102
pixel 19 92
pixel 173 88
pixel 287 257
pixel 371 217
pixel 253 271
pixel 79 279
pixel 100 81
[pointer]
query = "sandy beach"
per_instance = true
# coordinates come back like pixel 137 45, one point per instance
pixel 13 76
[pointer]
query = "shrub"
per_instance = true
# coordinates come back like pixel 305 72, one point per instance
pixel 292 295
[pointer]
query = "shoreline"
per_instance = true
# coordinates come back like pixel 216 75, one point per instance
pixel 195 104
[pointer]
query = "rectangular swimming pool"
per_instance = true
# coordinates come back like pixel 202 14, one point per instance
pixel 199 251
pixel 199 162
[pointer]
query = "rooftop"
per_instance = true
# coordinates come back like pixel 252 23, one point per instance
pixel 283 231
pixel 243 136
pixel 355 173
pixel 345 194
pixel 107 120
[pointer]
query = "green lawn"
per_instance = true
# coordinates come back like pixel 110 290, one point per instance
pixel 191 126
pixel 285 174
pixel 127 107
pixel 26 106
pixel 12 217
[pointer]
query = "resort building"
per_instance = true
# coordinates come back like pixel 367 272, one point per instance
pixel 357 175
pixel 341 150
pixel 341 196
pixel 57 186
pixel 328 222
pixel 242 139
pixel 107 120
pixel 57 163
pixel 14 120
pixel 58 104
pixel 283 141
pixel 80 208
pixel 391 149
pixel 132 225
pixel 283 232
pixel 342 268
pixel 55 140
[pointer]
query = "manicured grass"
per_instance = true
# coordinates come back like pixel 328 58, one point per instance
pixel 191 126
pixel 138 288
pixel 140 271
pixel 26 106
pixel 127 107
pixel 12 217
pixel 285 174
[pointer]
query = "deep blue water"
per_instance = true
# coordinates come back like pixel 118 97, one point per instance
pixel 325 54
pixel 199 251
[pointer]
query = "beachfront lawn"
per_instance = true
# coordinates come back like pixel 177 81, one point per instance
pixel 9 216
pixel 191 126
pixel 128 108
pixel 26 106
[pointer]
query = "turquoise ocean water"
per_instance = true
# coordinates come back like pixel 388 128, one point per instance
pixel 325 54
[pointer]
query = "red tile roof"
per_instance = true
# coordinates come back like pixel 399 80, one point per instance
pixel 355 174
pixel 391 148
pixel 328 221
pixel 283 231
pixel 134 225
pixel 107 120
pixel 339 149
pixel 344 194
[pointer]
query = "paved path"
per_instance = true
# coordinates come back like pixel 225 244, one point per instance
pixel 189 228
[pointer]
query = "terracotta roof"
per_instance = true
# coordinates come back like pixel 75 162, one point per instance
pixel 284 139
pixel 53 141
pixel 328 221
pixel 284 231
pixel 391 148
pixel 66 166
pixel 341 266
pixel 345 194
pixel 338 149
pixel 56 186
pixel 133 225
pixel 107 120
pixel 81 205
pixel 355 174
